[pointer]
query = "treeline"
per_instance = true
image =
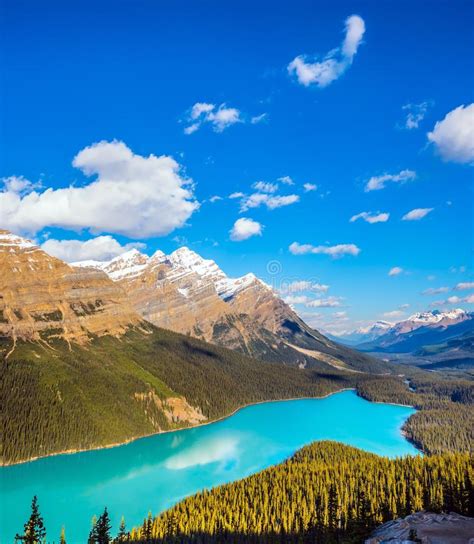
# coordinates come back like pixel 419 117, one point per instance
pixel 445 418
pixel 326 493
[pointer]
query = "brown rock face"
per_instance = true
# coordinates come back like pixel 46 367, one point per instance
pixel 188 294
pixel 42 297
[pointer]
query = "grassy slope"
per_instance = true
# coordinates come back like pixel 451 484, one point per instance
pixel 62 397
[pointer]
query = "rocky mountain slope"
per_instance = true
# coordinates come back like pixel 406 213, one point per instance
pixel 42 297
pixel 188 294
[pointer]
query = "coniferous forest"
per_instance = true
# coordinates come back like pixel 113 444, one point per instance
pixel 326 493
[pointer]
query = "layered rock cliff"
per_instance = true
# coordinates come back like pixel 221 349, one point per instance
pixel 42 297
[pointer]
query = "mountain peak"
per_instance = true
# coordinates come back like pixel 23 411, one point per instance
pixel 10 240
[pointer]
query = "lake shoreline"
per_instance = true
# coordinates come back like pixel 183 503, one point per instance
pixel 73 451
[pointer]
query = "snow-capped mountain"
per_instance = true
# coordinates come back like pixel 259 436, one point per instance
pixel 192 295
pixel 364 334
pixel 419 330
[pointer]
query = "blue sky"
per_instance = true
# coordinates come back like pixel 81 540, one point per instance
pixel 76 74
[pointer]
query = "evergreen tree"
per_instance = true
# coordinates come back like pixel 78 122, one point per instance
pixel 103 527
pixel 34 529
pixel 122 535
pixel 93 532
pixel 62 538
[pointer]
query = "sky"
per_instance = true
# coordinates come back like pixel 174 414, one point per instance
pixel 326 147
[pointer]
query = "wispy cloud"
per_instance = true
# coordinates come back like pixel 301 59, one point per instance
pixel 259 118
pixel 329 302
pixel 416 214
pixel 219 117
pixel 286 180
pixel 298 286
pixel 371 217
pixel 464 286
pixel 321 73
pixel 308 187
pixel 395 271
pixel 272 202
pixel 394 314
pixel 453 300
pixel 415 114
pixel 376 183
pixel 435 291
pixel 265 187
pixel 338 250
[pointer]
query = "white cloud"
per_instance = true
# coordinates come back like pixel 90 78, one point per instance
pixel 270 201
pixel 342 316
pixel 286 180
pixel 416 214
pixel 237 194
pixel 376 183
pixel 454 300
pixel 435 291
pixel 335 63
pixel 308 187
pixel 464 286
pixel 454 135
pixel 394 314
pixel 102 248
pixel 18 184
pixel 298 299
pixel 371 217
pixel 415 114
pixel 303 285
pixel 395 271
pixel 215 198
pixel 245 228
pixel 259 118
pixel 264 187
pixel 219 117
pixel 335 251
pixel 330 302
pixel 131 194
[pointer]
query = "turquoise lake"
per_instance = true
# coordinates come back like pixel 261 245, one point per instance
pixel 154 473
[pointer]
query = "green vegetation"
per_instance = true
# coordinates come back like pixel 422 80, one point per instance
pixel 327 492
pixel 59 397
pixel 445 420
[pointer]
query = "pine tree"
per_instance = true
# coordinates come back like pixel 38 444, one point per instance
pixel 34 529
pixel 93 532
pixel 122 535
pixel 62 538
pixel 103 527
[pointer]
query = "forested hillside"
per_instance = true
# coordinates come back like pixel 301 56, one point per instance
pixel 61 396
pixel 327 492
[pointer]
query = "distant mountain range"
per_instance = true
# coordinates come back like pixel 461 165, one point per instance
pixel 434 337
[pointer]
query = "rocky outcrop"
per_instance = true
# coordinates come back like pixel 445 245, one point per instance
pixel 42 297
pixel 425 528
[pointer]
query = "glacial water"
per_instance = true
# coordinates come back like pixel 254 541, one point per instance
pixel 156 472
